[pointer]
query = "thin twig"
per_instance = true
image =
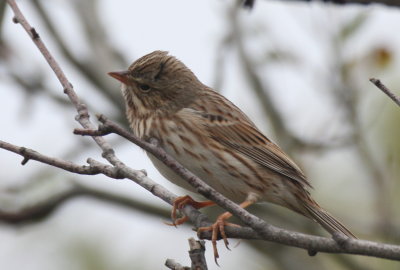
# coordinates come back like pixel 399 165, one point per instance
pixel 93 169
pixel 385 90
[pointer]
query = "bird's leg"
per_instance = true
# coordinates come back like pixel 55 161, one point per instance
pixel 180 202
pixel 219 227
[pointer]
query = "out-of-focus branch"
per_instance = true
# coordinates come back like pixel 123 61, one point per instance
pixel 89 71
pixel 393 3
pixel 287 139
pixel 346 94
pixel 249 3
pixel 220 61
pixel 260 89
pixel 45 207
pixel 2 12
pixel 385 90
pixel 34 84
pixel 94 31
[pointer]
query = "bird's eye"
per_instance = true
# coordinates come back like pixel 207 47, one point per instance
pixel 144 87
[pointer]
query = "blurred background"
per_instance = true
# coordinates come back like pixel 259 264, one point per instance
pixel 299 70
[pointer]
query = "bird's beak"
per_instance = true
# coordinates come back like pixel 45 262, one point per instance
pixel 121 76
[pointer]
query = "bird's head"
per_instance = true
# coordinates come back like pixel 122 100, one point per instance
pixel 157 82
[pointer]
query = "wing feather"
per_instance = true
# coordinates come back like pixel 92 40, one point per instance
pixel 245 138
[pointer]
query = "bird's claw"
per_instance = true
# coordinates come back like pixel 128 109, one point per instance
pixel 179 203
pixel 218 228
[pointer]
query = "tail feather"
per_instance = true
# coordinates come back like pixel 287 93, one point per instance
pixel 326 220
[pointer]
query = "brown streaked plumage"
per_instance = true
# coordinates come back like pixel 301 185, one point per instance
pixel 213 139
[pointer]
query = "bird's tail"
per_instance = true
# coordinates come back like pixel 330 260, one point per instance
pixel 326 220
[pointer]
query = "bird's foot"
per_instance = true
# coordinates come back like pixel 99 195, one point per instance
pixel 218 228
pixel 179 203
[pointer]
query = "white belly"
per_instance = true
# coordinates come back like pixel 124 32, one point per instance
pixel 230 173
pixel 208 168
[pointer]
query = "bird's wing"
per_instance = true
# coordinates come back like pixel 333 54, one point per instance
pixel 246 139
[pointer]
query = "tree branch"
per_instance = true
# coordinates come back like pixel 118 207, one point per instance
pixel 393 3
pixel 93 169
pixel 259 228
pixel 385 90
pixel 173 265
pixel 196 254
pixel 43 208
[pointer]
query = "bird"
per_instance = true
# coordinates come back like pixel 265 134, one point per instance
pixel 215 140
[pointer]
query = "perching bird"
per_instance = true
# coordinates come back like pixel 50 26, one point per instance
pixel 215 140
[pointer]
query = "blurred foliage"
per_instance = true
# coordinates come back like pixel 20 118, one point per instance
pixel 353 26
